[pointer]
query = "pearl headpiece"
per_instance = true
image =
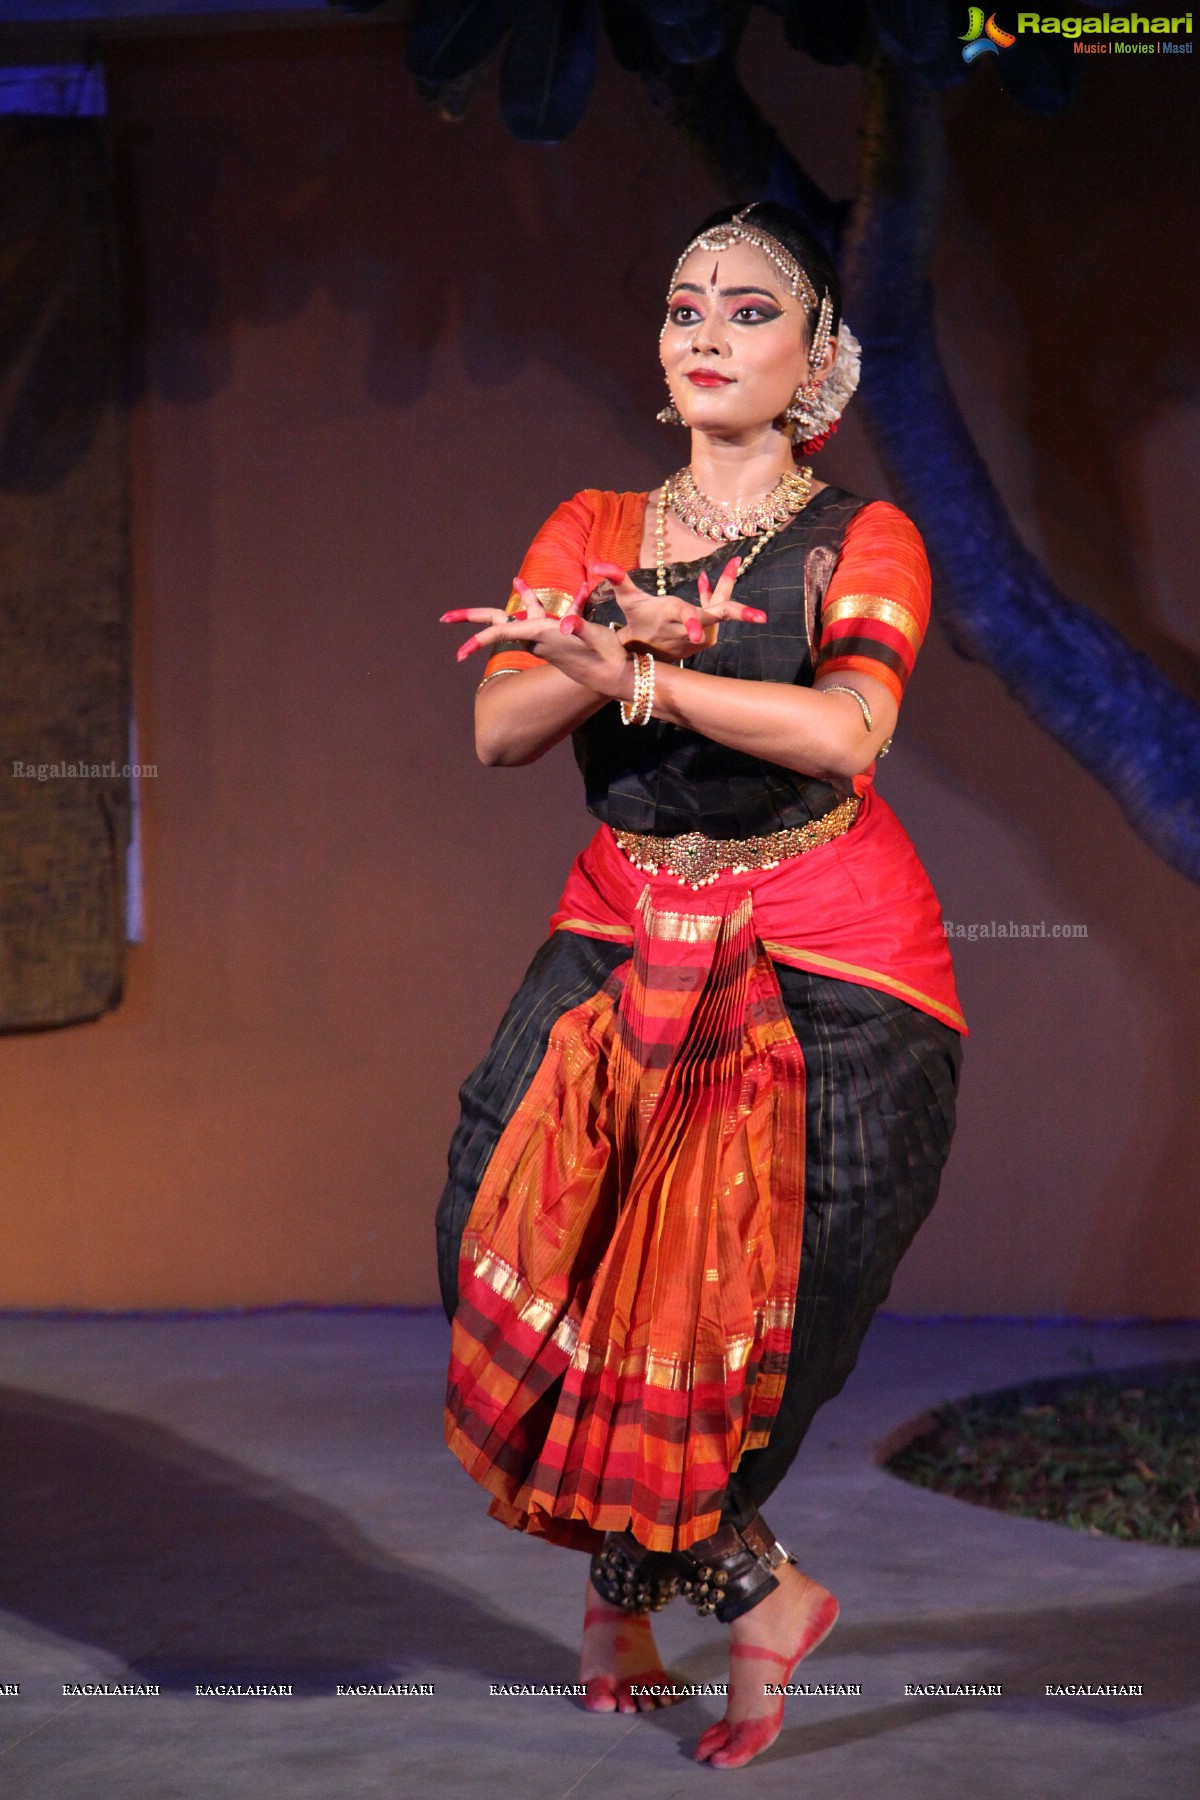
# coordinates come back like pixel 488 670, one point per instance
pixel 736 231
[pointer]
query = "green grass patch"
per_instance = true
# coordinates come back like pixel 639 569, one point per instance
pixel 1116 1455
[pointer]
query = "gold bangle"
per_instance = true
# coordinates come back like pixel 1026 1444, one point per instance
pixel 836 687
pixel 496 674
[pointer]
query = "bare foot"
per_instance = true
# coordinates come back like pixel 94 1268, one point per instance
pixel 617 1655
pixel 765 1646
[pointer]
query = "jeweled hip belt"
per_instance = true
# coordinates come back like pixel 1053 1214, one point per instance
pixel 697 859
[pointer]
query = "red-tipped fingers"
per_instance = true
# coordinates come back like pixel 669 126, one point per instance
pixel 695 631
pixel 613 571
pixel 704 585
pixel 731 568
pixel 453 618
pixel 581 594
pixel 522 587
pixel 465 649
pixel 752 612
pixel 571 625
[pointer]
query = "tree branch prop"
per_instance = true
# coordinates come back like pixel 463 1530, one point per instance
pixel 1084 684
pixel 736 142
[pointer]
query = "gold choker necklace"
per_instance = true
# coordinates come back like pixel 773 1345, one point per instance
pixel 706 517
pixel 800 488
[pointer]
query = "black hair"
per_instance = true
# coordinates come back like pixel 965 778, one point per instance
pixel 782 223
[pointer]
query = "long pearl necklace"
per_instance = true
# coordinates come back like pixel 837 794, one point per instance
pixel 766 516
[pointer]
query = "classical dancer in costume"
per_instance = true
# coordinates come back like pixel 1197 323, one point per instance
pixel 718 1107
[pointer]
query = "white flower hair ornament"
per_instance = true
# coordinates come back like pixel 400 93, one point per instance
pixel 816 411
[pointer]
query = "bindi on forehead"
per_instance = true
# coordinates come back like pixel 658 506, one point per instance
pixel 758 290
pixel 742 273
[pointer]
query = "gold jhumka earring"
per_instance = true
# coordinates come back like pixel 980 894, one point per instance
pixel 670 414
pixel 802 410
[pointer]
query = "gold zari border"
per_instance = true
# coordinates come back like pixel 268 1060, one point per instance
pixel 809 959
pixel 874 606
pixel 592 929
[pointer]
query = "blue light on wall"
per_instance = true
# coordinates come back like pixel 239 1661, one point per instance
pixel 53 90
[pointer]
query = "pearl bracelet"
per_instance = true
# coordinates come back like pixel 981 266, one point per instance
pixel 637 711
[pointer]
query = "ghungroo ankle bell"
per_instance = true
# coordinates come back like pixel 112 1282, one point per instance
pixel 628 1575
pixel 705 1587
pixel 732 1570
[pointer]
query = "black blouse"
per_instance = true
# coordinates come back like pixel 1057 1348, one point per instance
pixel 664 779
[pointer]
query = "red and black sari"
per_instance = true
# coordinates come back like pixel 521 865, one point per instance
pixel 712 1119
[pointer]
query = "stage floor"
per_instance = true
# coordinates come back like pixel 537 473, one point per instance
pixel 265 1500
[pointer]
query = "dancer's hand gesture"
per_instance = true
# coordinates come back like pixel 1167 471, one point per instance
pixel 672 627
pixel 590 654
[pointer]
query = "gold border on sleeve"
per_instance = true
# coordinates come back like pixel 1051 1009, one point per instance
pixel 873 606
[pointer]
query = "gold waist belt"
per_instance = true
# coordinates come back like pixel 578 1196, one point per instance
pixel 699 860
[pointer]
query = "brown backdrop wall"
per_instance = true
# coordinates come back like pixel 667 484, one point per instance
pixel 369 354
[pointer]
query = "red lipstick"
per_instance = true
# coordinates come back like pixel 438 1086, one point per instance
pixel 708 378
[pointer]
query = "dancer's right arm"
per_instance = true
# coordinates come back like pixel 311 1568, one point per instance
pixel 543 693
pixel 521 714
pixel 553 682
pixel 565 670
pixel 558 671
pixel 519 717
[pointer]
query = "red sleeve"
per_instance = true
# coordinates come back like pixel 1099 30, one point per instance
pixel 876 608
pixel 554 567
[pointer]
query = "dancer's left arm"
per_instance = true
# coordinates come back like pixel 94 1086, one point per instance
pixel 873 619
pixel 807 729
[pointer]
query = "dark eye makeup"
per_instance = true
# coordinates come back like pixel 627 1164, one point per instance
pixel 762 313
pixel 752 312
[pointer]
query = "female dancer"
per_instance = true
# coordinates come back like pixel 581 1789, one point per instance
pixel 718 1107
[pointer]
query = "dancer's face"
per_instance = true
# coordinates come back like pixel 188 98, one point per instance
pixel 735 345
